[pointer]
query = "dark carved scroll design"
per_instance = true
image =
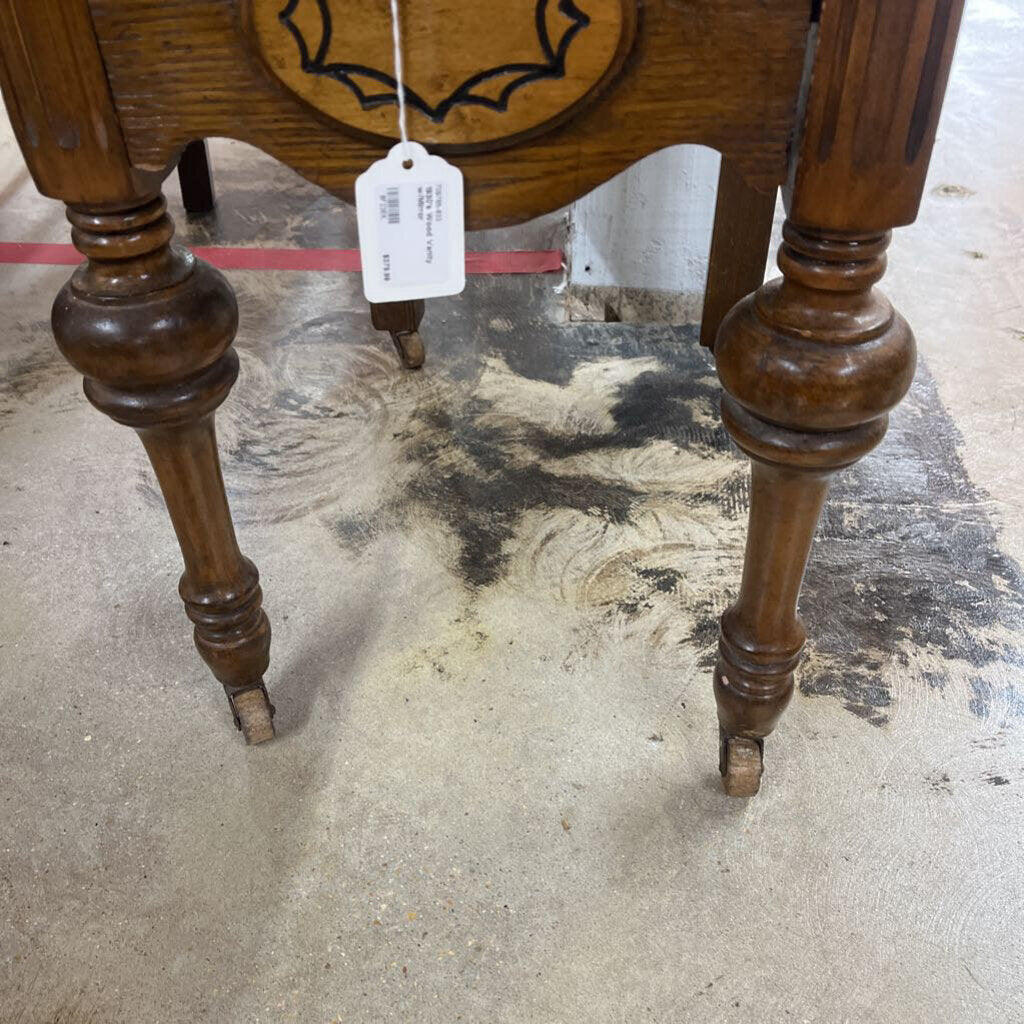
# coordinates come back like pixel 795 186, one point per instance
pixel 363 80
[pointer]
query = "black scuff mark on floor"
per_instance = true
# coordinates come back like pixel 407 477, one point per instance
pixel 480 479
pixel 996 780
pixel 906 557
pixel 646 583
pixel 663 580
pixel 34 363
pixel 986 696
pixel 657 405
pixel 262 454
pixel 483 493
pixel 704 635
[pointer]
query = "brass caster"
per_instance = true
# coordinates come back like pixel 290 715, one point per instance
pixel 410 348
pixel 254 714
pixel 741 762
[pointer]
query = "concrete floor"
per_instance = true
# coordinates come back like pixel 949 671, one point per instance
pixel 493 587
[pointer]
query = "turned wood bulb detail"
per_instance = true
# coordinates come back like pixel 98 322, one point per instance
pixel 811 364
pixel 150 327
pixel 819 352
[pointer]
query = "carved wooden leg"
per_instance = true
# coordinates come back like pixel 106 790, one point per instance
pixel 196 178
pixel 811 364
pixel 402 320
pixel 150 328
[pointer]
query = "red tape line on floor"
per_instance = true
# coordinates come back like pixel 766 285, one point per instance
pixel 546 261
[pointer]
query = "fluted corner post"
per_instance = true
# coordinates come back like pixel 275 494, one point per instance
pixel 811 364
pixel 150 327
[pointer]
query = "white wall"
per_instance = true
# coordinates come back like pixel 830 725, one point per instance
pixel 649 227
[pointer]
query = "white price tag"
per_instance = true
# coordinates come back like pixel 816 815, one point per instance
pixel 411 227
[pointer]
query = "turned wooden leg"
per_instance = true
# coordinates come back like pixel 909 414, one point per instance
pixel 150 328
pixel 402 321
pixel 196 178
pixel 811 364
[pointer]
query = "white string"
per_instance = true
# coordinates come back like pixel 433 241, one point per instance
pixel 396 34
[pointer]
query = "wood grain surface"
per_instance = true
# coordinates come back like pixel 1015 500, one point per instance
pixel 52 77
pixel 475 72
pixel 876 92
pixel 724 73
pixel 739 247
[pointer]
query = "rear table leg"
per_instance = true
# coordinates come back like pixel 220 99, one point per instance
pixel 196 179
pixel 739 247
pixel 402 321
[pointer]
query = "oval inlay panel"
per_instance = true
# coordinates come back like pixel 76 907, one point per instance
pixel 476 71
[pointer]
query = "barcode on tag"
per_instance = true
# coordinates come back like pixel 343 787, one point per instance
pixel 392 207
pixel 412 238
pixel 411 226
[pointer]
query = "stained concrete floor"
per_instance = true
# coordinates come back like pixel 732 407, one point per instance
pixel 494 586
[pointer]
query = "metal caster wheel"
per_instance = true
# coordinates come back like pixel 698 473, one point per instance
pixel 410 348
pixel 254 714
pixel 741 762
